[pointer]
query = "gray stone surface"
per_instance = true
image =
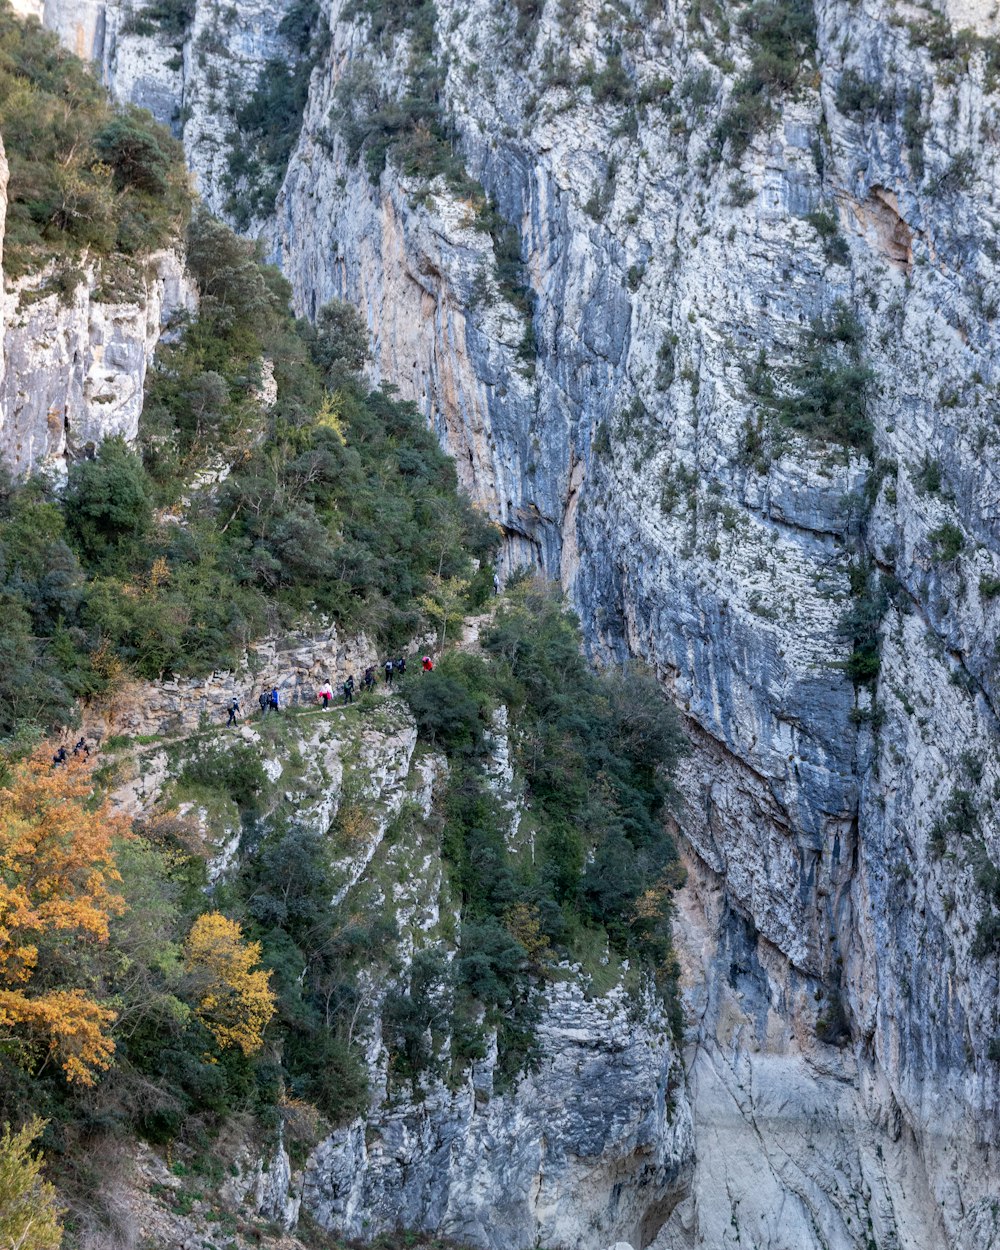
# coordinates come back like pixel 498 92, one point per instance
pixel 725 566
pixel 74 368
pixel 593 1146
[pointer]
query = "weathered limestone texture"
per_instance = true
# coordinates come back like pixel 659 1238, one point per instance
pixel 74 367
pixel 588 1148
pixel 626 450
pixel 297 664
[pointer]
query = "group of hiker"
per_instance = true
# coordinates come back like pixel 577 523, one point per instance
pixel 80 751
pixel 394 669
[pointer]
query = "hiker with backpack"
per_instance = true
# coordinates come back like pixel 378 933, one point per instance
pixel 234 711
pixel 349 690
pixel 400 666
pixel 264 699
pixel 59 758
pixel 388 672
pixel 368 681
pixel 325 693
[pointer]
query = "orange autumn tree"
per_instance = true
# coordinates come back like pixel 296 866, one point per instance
pixel 235 1000
pixel 57 873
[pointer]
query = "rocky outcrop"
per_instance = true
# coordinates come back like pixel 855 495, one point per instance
pixel 592 1145
pixel 840 825
pixel 75 357
pixel 296 664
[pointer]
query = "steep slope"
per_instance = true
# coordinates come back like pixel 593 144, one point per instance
pixel 694 190
pixel 586 1139
pixel 841 1071
pixel 93 268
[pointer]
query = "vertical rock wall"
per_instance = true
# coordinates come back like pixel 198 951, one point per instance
pixel 73 366
pixel 843 1013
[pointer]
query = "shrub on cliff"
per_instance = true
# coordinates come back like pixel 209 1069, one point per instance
pixel 829 385
pixel 596 752
pixel 782 38
pixel 82 174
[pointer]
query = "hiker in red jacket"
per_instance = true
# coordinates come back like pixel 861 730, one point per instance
pixel 428 664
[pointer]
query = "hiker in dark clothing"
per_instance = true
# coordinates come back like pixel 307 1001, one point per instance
pixel 265 702
pixel 81 748
pixel 388 672
pixel 349 689
pixel 369 679
pixel 60 757
pixel 400 667
pixel 234 711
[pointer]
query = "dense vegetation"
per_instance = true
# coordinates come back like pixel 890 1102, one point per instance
pixel 782 40
pixel 84 175
pixel 338 500
pixel 596 753
pixel 268 120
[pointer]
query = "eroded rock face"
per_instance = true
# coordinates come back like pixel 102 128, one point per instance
pixel 74 364
pixel 593 1145
pixel 843 824
pixel 296 664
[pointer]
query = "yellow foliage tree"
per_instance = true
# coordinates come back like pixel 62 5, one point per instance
pixel 330 415
pixel 57 871
pixel 524 924
pixel 235 1000
pixel 29 1216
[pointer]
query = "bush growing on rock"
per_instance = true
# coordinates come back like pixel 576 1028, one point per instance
pixel 596 753
pixel 82 174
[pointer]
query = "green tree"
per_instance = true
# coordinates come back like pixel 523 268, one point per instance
pixel 141 155
pixel 109 507
pixel 29 1213
pixel 339 342
pixel 445 602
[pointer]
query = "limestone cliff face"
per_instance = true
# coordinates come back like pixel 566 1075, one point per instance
pixel 73 364
pixel 841 1011
pixel 841 1018
pixel 591 1146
